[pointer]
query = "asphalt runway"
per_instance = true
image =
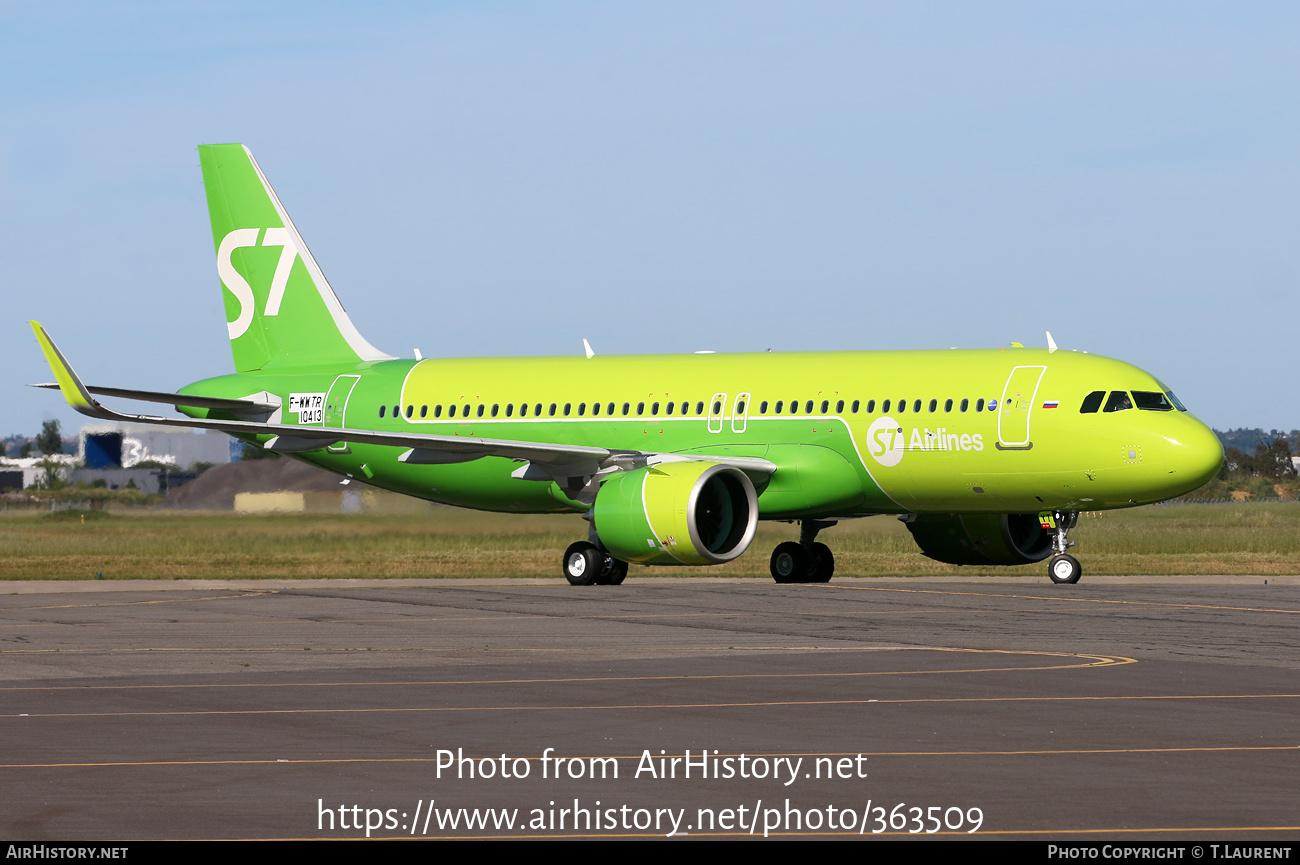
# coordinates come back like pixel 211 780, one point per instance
pixel 1122 710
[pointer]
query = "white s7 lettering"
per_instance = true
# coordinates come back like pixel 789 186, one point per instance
pixel 239 287
pixel 282 238
pixel 234 283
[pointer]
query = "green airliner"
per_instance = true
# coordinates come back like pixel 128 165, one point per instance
pixel 988 456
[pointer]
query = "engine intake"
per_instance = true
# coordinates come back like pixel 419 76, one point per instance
pixel 677 513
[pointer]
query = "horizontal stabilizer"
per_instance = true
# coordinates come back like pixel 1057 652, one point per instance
pixel 237 406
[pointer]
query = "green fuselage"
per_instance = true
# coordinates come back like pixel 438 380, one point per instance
pixel 964 430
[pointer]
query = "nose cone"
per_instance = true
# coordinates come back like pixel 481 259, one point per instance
pixel 1193 455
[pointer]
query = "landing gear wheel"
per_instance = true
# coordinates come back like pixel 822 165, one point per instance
pixel 1065 569
pixel 789 563
pixel 582 563
pixel 821 564
pixel 612 572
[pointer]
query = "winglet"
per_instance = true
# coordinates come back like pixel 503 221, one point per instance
pixel 586 347
pixel 73 390
pixel 1051 343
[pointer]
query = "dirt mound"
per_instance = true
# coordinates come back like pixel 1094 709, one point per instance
pixel 215 489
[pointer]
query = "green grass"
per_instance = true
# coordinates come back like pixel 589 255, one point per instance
pixel 1194 539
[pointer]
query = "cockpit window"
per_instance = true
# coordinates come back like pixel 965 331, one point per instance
pixel 1092 402
pixel 1118 401
pixel 1152 400
pixel 1173 399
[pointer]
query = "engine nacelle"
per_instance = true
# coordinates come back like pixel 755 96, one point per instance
pixel 677 513
pixel 981 539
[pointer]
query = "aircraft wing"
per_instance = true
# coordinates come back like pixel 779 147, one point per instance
pixel 573 466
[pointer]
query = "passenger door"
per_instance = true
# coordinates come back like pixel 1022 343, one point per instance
pixel 336 404
pixel 1017 406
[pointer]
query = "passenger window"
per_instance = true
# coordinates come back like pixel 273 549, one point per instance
pixel 464 412
pixel 855 406
pixel 762 407
pixel 947 406
pixel 740 408
pixel 451 411
pixel 610 409
pixel 551 411
pixel 397 410
pixel 481 408
pixel 826 406
pixel 808 407
pixel 640 409
pixel 582 409
pixel 669 410
pixel 654 409
pixel 916 406
pixel 424 411
pixel 382 409
pixel 885 407
pixel 537 410
pixel 568 406
pixel 934 404
pixel 523 409
pixel 1092 402
pixel 902 406
pixel 495 408
pixel 510 409
pixel 979 404
pixel 780 404
pixel 595 409
pixel 794 406
pixel 437 410
pixel 699 408
pixel 965 404
pixel 626 408
pixel 1118 401
pixel 717 407
pixel 1148 400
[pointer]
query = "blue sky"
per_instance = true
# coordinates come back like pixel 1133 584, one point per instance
pixel 507 178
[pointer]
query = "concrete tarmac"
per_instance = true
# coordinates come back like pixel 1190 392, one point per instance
pixel 1123 710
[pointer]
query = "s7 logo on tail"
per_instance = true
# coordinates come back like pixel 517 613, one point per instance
pixel 239 287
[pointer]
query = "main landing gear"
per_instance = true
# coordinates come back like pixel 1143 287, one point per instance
pixel 1063 568
pixel 586 564
pixel 806 561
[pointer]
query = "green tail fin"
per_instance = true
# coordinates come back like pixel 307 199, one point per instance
pixel 280 310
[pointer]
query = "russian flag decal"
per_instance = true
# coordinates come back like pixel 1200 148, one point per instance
pixel 1052 403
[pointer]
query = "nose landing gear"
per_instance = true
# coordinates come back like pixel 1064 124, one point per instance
pixel 1063 568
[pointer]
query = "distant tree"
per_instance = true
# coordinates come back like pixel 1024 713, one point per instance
pixel 1276 460
pixel 50 478
pixel 1272 462
pixel 25 451
pixel 50 441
